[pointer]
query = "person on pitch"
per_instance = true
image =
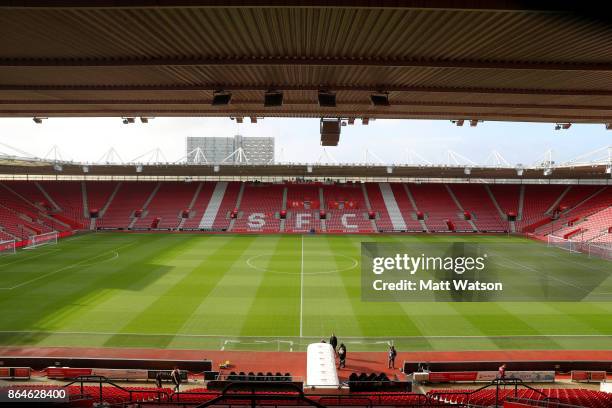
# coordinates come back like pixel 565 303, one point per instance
pixel 392 355
pixel 333 340
pixel 342 355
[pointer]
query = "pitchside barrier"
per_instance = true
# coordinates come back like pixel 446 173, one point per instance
pixel 600 249
pixel 564 366
pixel 15 373
pixel 483 376
pixel 588 376
pixel 67 373
pixel 40 363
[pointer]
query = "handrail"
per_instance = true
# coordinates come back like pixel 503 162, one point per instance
pixel 540 403
pixel 99 379
pixel 496 382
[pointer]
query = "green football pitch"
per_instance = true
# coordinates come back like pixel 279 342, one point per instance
pixel 273 292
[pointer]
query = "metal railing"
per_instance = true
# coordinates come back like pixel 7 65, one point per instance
pixel 515 382
pixel 159 394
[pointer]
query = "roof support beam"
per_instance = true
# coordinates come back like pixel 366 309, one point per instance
pixel 371 113
pixel 255 87
pixel 238 102
pixel 307 61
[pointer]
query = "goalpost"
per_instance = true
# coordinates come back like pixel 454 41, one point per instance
pixel 35 241
pixel 563 243
pixel 7 247
pixel 597 249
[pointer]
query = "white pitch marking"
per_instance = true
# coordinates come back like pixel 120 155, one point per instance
pixel 354 264
pixel 69 267
pixel 540 273
pixel 29 257
pixel 302 287
pixel 501 336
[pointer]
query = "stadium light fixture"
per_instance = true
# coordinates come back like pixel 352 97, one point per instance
pixel 563 126
pixel 309 169
pixel 609 169
pixel 58 167
pixel 519 170
pixel 273 98
pixel 128 120
pixel 458 122
pixel 474 122
pixel 351 121
pixel 548 171
pixel 139 169
pixel 216 168
pixel 221 98
pixel 253 119
pixel 467 171
pixel 389 169
pixel 38 120
pixel 327 99
pixel 365 121
pixel 239 119
pixel 380 99
pixel 145 119
pixel 85 169
pixel 608 126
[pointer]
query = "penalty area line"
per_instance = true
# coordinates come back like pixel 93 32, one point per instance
pixel 83 262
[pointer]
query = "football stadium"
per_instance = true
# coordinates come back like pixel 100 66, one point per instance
pixel 230 277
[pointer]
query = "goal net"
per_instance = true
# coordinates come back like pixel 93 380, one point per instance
pixel 7 247
pixel 597 249
pixel 35 241
pixel 563 243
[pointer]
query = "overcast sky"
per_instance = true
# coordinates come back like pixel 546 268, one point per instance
pixel 297 140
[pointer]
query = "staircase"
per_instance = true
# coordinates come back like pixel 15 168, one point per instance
pixel 414 207
pixel 366 198
pixel 48 197
pixel 283 207
pixel 521 205
pixel 84 199
pixel 322 206
pixel 110 199
pixel 238 202
pixel 557 201
pixel 191 204
pixel 208 218
pixel 392 208
pixel 460 207
pixel 495 203
pixel 145 205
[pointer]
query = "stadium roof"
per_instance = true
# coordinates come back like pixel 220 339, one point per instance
pixel 453 59
pixel 19 168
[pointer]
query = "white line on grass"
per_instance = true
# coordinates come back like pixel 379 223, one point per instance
pixel 29 257
pixel 316 338
pixel 529 268
pixel 302 287
pixel 80 263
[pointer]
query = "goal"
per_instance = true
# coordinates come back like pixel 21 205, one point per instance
pixel 7 247
pixel 563 243
pixel 35 241
pixel 597 249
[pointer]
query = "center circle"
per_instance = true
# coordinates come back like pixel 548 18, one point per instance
pixel 346 263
